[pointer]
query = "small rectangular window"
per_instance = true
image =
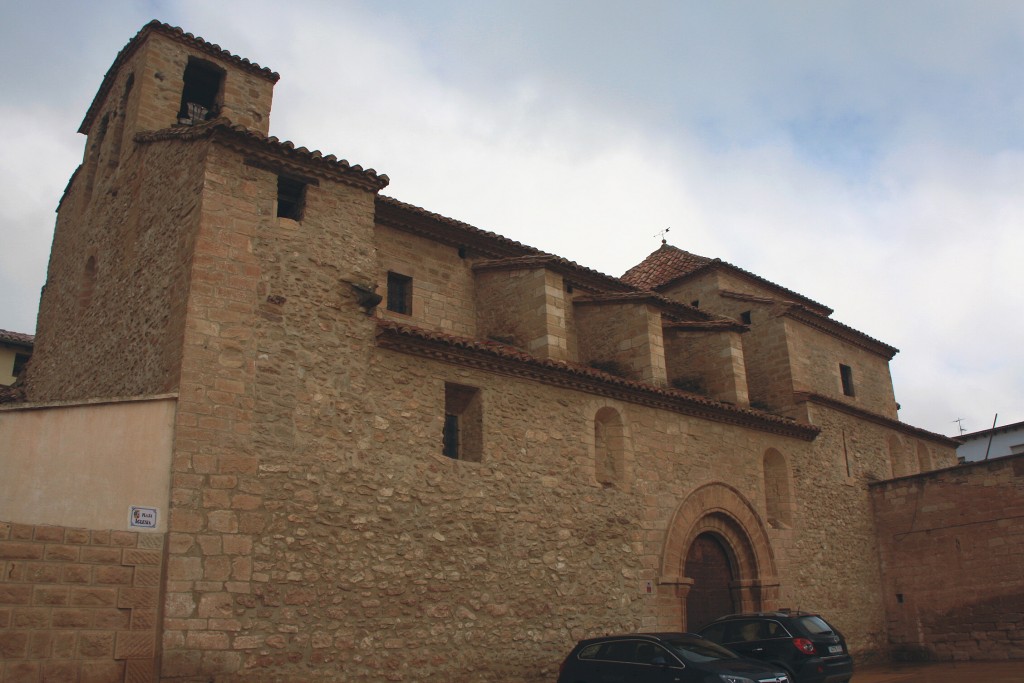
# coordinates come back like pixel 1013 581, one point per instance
pixel 745 317
pixel 291 198
pixel 463 437
pixel 695 303
pixel 400 293
pixel 846 374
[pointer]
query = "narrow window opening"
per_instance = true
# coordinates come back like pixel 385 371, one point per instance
pixel 846 374
pixel 462 437
pixel 88 283
pixel 291 198
pixel 400 293
pixel 200 98
pixel 450 446
pixel 899 598
pixel 745 317
pixel 695 303
pixel 609 448
pixel 20 361
pixel 462 252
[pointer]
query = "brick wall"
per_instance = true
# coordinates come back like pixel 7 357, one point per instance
pixel 78 605
pixel 952 549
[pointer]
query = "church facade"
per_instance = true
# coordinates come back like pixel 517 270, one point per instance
pixel 388 445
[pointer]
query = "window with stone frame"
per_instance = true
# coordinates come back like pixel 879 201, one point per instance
pixel 846 377
pixel 291 198
pixel 399 293
pixel 463 434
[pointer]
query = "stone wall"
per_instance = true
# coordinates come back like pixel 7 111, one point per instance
pixel 952 548
pixel 78 604
pixel 111 316
pixel 442 282
pixel 625 338
pixel 707 362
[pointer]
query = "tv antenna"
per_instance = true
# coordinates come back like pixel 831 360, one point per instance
pixel 960 425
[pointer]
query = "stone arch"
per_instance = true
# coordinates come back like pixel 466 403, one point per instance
pixel 924 458
pixel 778 490
pixel 898 458
pixel 722 512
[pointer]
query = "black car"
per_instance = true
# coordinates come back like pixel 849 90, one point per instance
pixel 809 649
pixel 661 658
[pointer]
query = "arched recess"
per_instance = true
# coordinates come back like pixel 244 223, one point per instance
pixel 898 459
pixel 609 447
pixel 778 490
pixel 721 512
pixel 924 459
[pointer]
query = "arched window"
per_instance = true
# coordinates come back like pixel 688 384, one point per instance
pixel 778 490
pixel 609 447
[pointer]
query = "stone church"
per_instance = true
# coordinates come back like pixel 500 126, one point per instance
pixel 280 426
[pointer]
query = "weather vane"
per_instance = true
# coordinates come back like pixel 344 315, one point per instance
pixel 959 423
pixel 662 235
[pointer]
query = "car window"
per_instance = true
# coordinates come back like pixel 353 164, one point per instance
pixel 697 651
pixel 774 629
pixel 715 632
pixel 617 651
pixel 747 631
pixel 814 625
pixel 590 651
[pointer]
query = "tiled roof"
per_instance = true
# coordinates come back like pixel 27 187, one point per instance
pixel 398 214
pixel 839 330
pixel 674 308
pixel 497 357
pixel 569 270
pixel 17 338
pixel 314 160
pixel 176 33
pixel 11 394
pixel 663 266
pixel 669 264
pixel 836 404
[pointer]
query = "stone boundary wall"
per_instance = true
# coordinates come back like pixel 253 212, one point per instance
pixel 951 544
pixel 78 605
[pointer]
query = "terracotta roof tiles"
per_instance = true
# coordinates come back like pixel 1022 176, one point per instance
pixel 18 338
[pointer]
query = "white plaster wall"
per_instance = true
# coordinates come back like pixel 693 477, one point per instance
pixel 84 465
pixel 1002 444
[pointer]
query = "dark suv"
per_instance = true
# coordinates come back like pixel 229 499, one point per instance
pixel 661 658
pixel 804 644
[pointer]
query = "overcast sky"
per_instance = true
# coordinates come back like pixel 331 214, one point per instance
pixel 869 155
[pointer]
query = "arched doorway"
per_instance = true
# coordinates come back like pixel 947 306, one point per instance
pixel 709 566
pixel 716 556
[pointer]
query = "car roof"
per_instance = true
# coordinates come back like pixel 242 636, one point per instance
pixel 781 614
pixel 659 636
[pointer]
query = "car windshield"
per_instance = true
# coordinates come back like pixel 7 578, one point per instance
pixel 815 625
pixel 698 651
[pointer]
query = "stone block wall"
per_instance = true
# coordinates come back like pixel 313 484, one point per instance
pixel 526 307
pixel 712 361
pixel 952 548
pixel 626 337
pixel 816 357
pixel 111 317
pixel 442 282
pixel 78 605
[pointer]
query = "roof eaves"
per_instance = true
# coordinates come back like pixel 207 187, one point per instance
pixel 839 330
pixel 276 151
pixel 809 396
pixel 17 338
pixel 496 357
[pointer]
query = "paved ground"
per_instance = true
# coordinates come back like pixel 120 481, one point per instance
pixel 948 672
